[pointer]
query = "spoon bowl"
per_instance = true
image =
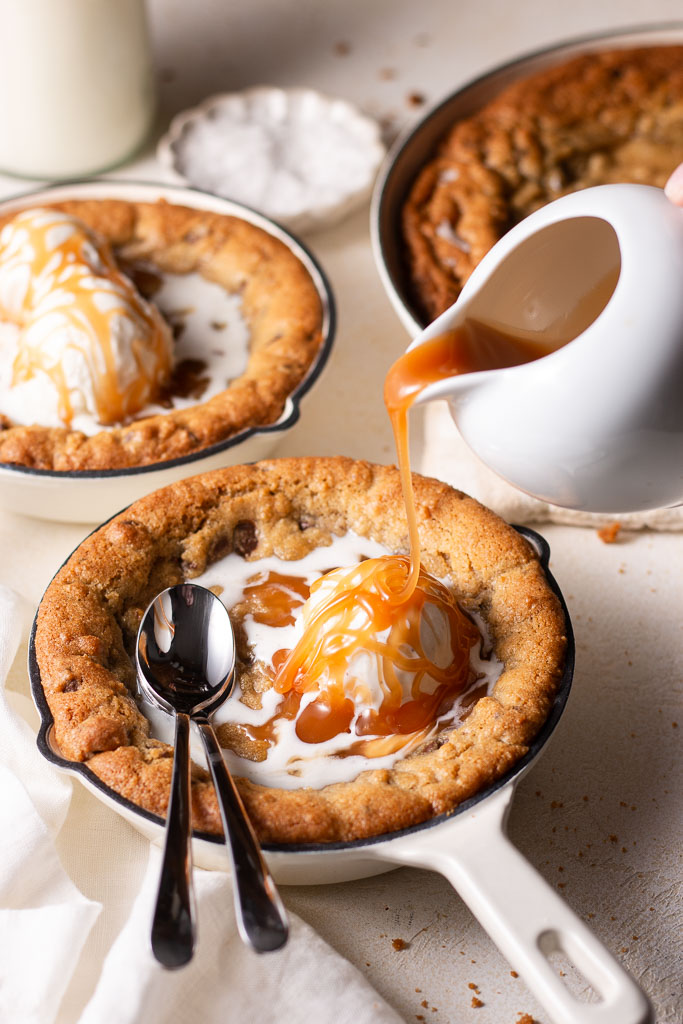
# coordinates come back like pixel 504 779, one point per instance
pixel 186 651
pixel 186 666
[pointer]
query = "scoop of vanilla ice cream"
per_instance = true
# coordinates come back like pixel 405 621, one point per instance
pixel 363 677
pixel 87 340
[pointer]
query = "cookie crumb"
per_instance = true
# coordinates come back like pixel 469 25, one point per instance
pixel 525 1018
pixel 342 49
pixel 425 1004
pixel 476 1003
pixel 416 99
pixel 474 987
pixel 608 534
pixel 399 944
pixel 513 974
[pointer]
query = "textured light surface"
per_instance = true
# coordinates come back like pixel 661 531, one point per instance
pixel 616 743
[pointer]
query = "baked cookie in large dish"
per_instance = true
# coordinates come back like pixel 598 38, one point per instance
pixel 278 304
pixel 266 516
pixel 600 118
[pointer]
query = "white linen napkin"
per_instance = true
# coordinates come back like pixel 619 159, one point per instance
pixel 444 454
pixel 45 921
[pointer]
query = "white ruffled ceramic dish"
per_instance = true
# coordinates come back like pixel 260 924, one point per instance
pixel 89 496
pixel 296 155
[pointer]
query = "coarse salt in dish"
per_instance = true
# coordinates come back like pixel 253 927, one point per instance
pixel 296 155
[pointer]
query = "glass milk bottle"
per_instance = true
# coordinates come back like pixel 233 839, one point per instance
pixel 76 85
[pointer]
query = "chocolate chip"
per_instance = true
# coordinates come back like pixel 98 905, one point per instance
pixel 305 524
pixel 72 685
pixel 146 278
pixel 244 538
pixel 219 547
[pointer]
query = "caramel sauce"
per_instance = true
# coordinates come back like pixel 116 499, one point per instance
pixel 273 597
pixel 378 607
pixel 87 294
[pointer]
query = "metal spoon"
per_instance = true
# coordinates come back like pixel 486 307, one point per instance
pixel 186 666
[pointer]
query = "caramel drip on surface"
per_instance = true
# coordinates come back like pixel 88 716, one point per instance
pixel 75 291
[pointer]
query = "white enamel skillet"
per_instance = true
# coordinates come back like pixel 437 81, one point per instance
pixel 522 913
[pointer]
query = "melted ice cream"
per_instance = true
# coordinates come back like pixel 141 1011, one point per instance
pixel 291 763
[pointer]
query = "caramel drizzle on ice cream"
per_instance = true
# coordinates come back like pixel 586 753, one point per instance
pixel 83 324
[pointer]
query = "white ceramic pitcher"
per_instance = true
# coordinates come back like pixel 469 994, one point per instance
pixel 598 423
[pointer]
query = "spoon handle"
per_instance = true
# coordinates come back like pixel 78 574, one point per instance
pixel 173 929
pixel 261 917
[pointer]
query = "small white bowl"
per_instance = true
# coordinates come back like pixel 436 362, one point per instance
pixel 296 155
pixel 89 496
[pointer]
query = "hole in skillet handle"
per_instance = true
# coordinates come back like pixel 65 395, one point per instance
pixel 556 948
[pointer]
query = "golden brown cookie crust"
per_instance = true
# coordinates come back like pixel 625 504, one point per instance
pixel 88 620
pixel 606 117
pixel 280 304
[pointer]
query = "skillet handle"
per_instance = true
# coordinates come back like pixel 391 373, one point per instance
pixel 524 915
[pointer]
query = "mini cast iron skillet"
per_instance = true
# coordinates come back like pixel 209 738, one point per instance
pixel 91 495
pixel 522 913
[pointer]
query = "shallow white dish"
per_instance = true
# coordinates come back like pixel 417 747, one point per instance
pixel 89 496
pixel 299 156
